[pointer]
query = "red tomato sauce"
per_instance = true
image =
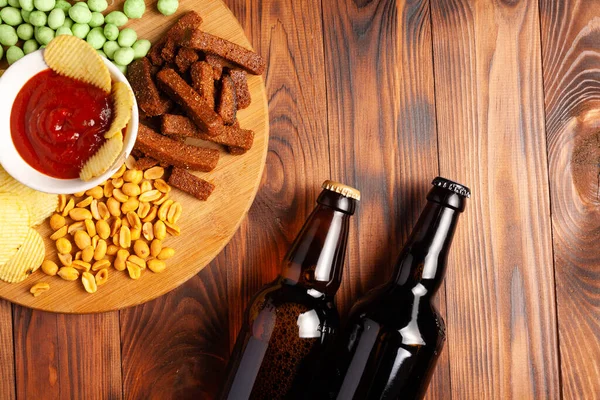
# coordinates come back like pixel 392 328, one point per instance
pixel 57 123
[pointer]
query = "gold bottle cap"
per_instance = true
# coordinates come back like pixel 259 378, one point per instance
pixel 344 190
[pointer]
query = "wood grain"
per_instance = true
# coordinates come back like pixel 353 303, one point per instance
pixel 570 35
pixel 7 356
pixel 501 316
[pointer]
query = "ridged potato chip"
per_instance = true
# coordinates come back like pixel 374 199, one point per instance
pixel 122 104
pixel 14 225
pixel 75 58
pixel 40 205
pixel 27 259
pixel 104 158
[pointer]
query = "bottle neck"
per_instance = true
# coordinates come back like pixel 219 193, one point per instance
pixel 316 258
pixel 422 261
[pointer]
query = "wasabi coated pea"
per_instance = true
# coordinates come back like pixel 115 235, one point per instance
pixel 3 3
pixel 124 56
pixel 44 5
pixel 56 18
pixel 13 3
pixel 110 47
pixel 63 30
pixel 1 55
pixel 96 38
pixel 44 35
pixel 82 4
pixel 68 23
pixel 37 18
pixel 8 35
pixel 97 5
pixel 26 5
pixel 63 5
pixel 141 48
pixel 25 15
pixel 111 32
pixel 30 46
pixel 80 30
pixel 80 14
pixel 25 31
pixel 0 21
pixel 134 8
pixel 97 20
pixel 167 7
pixel 122 68
pixel 116 18
pixel 101 53
pixel 14 54
pixel 127 37
pixel 11 16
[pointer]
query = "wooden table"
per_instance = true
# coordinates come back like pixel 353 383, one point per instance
pixel 503 96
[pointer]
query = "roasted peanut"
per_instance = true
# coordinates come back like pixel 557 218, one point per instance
pixel 156 266
pixel 39 288
pixel 148 231
pixel 102 276
pixel 80 214
pixel 85 202
pixel 111 250
pixel 116 226
pixel 96 192
pixel 78 255
pixel 134 270
pixel 172 229
pixel 90 227
pixel 103 211
pixel 130 205
pixel 136 233
pixel 68 273
pixel 108 189
pixel 118 183
pixel 65 259
pixel 119 173
pixel 131 189
pixel 120 196
pixel 166 253
pixel 77 226
pixel 163 210
pixel 101 249
pixel 141 249
pixel 81 265
pixel 151 215
pixel 174 212
pixel 150 196
pixel 160 230
pixel 87 254
pixel 130 162
pixel 154 173
pixel 62 202
pixel 145 186
pixel 124 222
pixel 82 239
pixel 133 176
pixel 119 263
pixel 79 194
pixel 49 267
pixel 115 240
pixel 143 210
pixel 95 241
pixel 162 186
pixel 103 229
pixel 59 233
pixel 94 210
pixel 137 260
pixel 89 282
pixel 57 221
pixel 164 197
pixel 134 220
pixel 70 205
pixel 125 237
pixel 155 247
pixel 63 246
pixel 114 207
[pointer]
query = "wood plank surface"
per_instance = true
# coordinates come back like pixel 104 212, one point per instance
pixel 501 308
pixel 382 133
pixel 570 37
pixel 7 356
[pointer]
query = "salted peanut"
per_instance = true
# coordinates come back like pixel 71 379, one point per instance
pixel 116 226
pixel 68 273
pixel 119 263
pixel 136 233
pixel 77 226
pixel 111 250
pixel 103 229
pixel 174 213
pixel 108 189
pixel 157 266
pixel 89 282
pixel 134 270
pixel 87 254
pixel 120 196
pixel 80 214
pixel 152 195
pixel 39 288
pixel 125 237
pixel 90 227
pixel 101 249
pixel 57 221
pixel 79 194
pixel 120 172
pixel 155 247
pixel 49 267
pixel 62 202
pixel 143 210
pixel 130 162
pixel 115 240
pixel 133 176
pixel 164 197
pixel 103 210
pixel 70 205
pixel 95 241
pixel 134 220
pixel 65 259
pixel 102 276
pixel 145 186
pixel 154 173
pixel 166 253
pixel 96 192
pixel 130 205
pixel 94 210
pixel 118 183
pixel 100 264
pixel 162 186
pixel 172 229
pixel 114 207
pixel 131 189
pixel 62 232
pixel 160 230
pixel 151 215
pixel 140 262
pixel 148 231
pixel 85 202
pixel 82 239
pixel 63 246
pixel 81 265
pixel 164 209
pixel 78 255
pixel 124 222
pixel 141 249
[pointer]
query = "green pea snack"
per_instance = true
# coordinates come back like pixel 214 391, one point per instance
pixel 101 53
pixel 11 16
pixel 124 56
pixel 116 18
pixel 134 8
pixel 44 35
pixel 167 7
pixel 8 35
pixel 121 68
pixel 56 18
pixel 3 3
pixel 38 18
pixel 68 22
pixel 96 38
pixel 44 5
pixel 63 5
pixel 25 15
pixel 111 32
pixel 80 13
pixel 97 20
pixel 110 47
pixel 97 5
pixel 127 37
pixel 80 30
pixel 13 3
pixel 63 30
pixel 141 48
pixel 14 54
pixel 1 53
pixel 30 46
pixel 26 5
pixel 25 31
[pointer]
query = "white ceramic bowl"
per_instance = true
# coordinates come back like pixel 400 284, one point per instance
pixel 11 83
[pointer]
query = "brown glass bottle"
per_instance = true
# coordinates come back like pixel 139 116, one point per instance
pixel 394 334
pixel 290 324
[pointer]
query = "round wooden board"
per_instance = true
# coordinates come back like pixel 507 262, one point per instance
pixel 206 227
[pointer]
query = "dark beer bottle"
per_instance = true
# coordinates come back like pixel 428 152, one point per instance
pixel 290 324
pixel 394 334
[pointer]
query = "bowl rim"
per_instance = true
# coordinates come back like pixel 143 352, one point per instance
pixel 11 82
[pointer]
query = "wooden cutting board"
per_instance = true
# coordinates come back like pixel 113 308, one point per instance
pixel 206 227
